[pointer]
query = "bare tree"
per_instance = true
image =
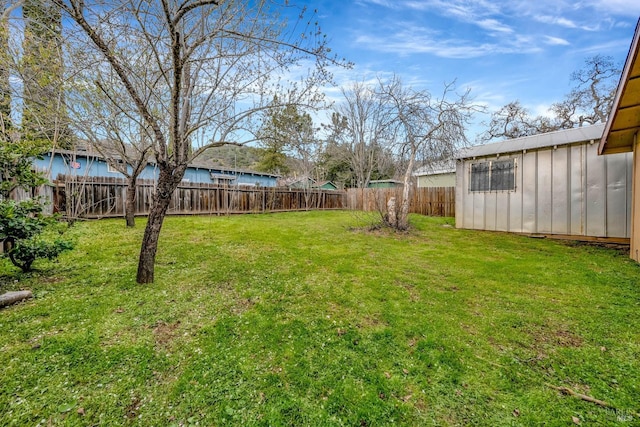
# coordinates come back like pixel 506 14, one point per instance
pixel 422 122
pixel 595 90
pixel 215 66
pixel 510 121
pixel 102 112
pixel 362 130
pixel 589 102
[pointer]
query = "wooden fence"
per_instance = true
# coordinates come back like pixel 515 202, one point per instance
pixel 437 201
pixel 105 197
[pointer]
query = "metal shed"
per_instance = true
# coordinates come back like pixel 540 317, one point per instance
pixel 549 184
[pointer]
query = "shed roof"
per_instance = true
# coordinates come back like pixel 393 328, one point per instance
pixel 624 120
pixel 560 137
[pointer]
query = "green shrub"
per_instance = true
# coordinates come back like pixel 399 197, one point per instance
pixel 27 234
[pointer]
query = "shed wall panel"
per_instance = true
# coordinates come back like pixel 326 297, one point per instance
pixel 616 208
pixel 529 191
pixel 515 199
pixel 595 192
pixel 577 178
pixel 490 212
pixel 479 217
pixel 502 208
pixel 543 203
pixel 560 191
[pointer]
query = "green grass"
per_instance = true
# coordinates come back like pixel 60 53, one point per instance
pixel 308 319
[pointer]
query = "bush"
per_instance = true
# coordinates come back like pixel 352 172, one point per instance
pixel 27 234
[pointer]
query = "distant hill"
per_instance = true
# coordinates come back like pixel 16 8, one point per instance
pixel 230 156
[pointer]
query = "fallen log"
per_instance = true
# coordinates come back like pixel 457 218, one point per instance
pixel 13 297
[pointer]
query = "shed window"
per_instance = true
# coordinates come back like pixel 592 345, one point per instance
pixel 493 176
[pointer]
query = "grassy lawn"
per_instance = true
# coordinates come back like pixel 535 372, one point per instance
pixel 307 319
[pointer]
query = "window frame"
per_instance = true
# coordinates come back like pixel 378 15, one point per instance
pixel 487 183
pixel 111 169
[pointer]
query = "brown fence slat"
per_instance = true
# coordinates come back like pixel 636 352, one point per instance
pixel 436 201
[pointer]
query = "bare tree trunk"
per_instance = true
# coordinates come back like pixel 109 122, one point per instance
pixel 391 217
pixel 130 203
pixel 167 183
pixel 403 218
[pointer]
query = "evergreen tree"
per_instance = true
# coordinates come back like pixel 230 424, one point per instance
pixel 44 115
pixel 5 89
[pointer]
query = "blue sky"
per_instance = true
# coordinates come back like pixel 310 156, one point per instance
pixel 502 50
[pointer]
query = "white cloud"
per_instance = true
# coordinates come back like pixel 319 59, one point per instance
pixel 543 110
pixel 555 20
pixel 556 41
pixel 405 39
pixel 407 44
pixel 605 47
pixel 383 3
pixel 572 24
pixel 617 7
pixel 494 25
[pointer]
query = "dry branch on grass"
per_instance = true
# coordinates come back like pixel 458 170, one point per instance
pixel 570 392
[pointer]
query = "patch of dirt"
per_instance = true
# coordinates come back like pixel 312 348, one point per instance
pixel 622 249
pixel 133 408
pixel 164 332
pixel 414 296
pixel 566 338
pixel 51 279
pixel 242 305
pixel 370 322
pixel 560 337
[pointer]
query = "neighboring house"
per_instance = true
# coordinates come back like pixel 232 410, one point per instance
pixel 621 133
pixel 306 183
pixel 437 174
pixel 83 163
pixel 296 183
pixel 325 185
pixel 385 183
pixel 550 184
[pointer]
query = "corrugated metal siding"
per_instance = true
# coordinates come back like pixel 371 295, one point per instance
pixel 559 190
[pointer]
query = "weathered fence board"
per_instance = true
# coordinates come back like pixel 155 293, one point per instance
pixel 436 201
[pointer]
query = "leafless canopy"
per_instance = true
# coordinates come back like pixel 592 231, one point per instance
pixel 210 67
pixel 422 122
pixel 588 102
pixel 361 128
